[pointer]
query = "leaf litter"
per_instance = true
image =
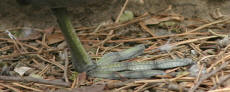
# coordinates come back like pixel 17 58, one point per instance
pixel 38 50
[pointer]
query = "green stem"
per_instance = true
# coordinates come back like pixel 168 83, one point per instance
pixel 80 59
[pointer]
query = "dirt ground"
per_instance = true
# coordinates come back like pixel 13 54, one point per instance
pixel 13 15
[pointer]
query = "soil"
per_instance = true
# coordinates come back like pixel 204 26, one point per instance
pixel 14 15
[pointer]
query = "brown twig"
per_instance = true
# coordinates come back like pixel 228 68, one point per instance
pixel 209 24
pixel 206 76
pixel 112 31
pixel 143 39
pixel 23 44
pixel 10 87
pixel 31 79
pixel 222 79
pixel 119 25
pixel 52 62
pixel 66 66
pixel 27 87
pixel 122 10
pixel 15 55
pixel 145 28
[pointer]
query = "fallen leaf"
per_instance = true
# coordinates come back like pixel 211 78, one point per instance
pixel 126 16
pixel 158 19
pixel 54 38
pixel 21 70
pixel 49 30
